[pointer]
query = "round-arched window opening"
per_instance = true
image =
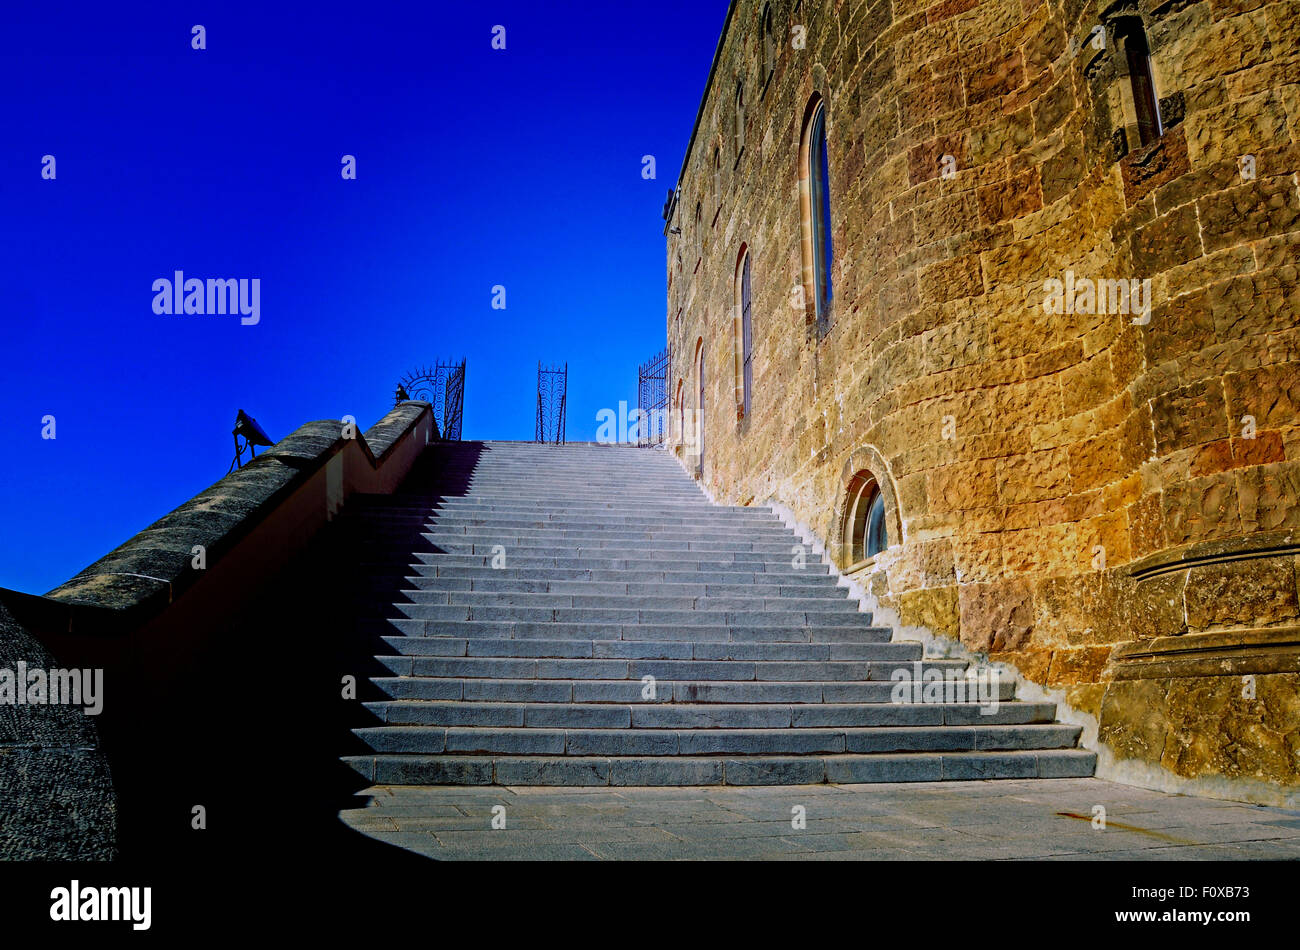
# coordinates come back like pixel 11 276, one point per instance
pixel 868 534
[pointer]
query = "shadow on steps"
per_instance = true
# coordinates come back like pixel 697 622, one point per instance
pixel 252 730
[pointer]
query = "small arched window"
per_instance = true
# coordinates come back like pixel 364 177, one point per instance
pixel 740 118
pixel 867 534
pixel 769 44
pixel 1142 87
pixel 744 340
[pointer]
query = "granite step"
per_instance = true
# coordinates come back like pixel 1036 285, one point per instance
pixel 549 630
pixel 809 740
pixel 575 648
pixel 749 692
pixel 712 770
pixel 706 716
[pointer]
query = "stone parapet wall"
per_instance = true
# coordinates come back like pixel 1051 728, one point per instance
pixel 1069 488
pixel 143 610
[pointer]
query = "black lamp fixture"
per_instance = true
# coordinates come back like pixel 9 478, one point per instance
pixel 246 428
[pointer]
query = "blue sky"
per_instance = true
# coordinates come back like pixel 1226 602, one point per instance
pixel 475 167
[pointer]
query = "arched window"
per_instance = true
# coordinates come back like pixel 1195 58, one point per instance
pixel 1137 59
pixel 681 415
pixel 699 408
pixel 740 118
pixel 717 178
pixel 867 535
pixel 744 340
pixel 769 45
pixel 815 214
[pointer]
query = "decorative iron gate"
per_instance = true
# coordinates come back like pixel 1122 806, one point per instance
pixel 652 401
pixel 552 391
pixel 442 385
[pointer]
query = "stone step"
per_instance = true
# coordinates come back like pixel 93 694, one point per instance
pixel 512 532
pixel 651 649
pixel 473 740
pixel 470 689
pixel 572 504
pixel 364 506
pixel 549 630
pixel 641 507
pixel 709 770
pixel 551 601
pixel 635 579
pixel 379 518
pixel 706 716
pixel 651 561
pixel 707 516
pixel 763 671
pixel 593 547
pixel 590 479
pixel 736 521
pixel 630 615
pixel 827 590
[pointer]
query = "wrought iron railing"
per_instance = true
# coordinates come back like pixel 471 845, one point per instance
pixel 442 385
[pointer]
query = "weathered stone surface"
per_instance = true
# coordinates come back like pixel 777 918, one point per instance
pixel 1241 593
pixel 1134 719
pixel 935 608
pixel 1215 729
pixel 997 617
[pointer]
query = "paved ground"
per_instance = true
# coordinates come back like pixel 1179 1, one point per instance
pixel 1004 820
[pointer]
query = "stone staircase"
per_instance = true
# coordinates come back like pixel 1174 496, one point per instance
pixel 583 615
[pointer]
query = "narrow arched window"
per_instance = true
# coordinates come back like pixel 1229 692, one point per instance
pixel 681 414
pixel 746 309
pixel 699 409
pixel 740 118
pixel 815 213
pixel 744 340
pixel 1137 58
pixel 717 178
pixel 821 200
pixel 769 45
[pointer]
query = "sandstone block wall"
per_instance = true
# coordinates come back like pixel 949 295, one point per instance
pixel 1109 501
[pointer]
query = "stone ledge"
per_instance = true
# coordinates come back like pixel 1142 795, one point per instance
pixel 1217 653
pixel 1262 545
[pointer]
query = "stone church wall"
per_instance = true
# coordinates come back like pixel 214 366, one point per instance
pixel 1108 501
